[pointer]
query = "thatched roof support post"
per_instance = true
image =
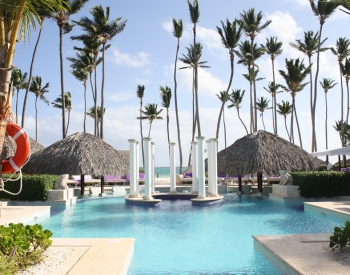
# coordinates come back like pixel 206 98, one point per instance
pixel 201 170
pixel 214 167
pixel 239 183
pixel 102 185
pixel 172 168
pixel 148 187
pixel 339 162
pixel 194 168
pixel 344 160
pixel 260 182
pixel 152 169
pixel 82 185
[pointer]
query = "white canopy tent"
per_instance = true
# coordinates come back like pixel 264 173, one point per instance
pixel 333 152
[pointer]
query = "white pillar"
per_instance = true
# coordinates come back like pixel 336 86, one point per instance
pixel 138 168
pixel 172 168
pixel 153 190
pixel 194 169
pixel 201 170
pixel 210 178
pixel 132 149
pixel 214 166
pixel 148 180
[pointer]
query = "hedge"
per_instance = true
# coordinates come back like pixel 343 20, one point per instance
pixel 336 166
pixel 34 188
pixel 322 184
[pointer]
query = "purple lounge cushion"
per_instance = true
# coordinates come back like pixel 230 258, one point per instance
pixel 141 176
pixel 188 175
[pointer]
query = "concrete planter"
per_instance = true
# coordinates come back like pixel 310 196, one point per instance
pixel 287 191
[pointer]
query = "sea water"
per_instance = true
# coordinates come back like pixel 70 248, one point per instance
pixel 178 238
pixel 164 172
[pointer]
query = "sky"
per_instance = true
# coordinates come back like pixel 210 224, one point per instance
pixel 144 53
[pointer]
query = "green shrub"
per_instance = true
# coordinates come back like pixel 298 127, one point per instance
pixel 341 237
pixel 8 264
pixel 34 188
pixel 24 244
pixel 322 184
pixel 141 170
pixel 324 167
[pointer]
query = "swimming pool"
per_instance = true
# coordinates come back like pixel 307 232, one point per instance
pixel 188 239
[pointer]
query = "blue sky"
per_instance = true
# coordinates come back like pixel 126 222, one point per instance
pixel 144 53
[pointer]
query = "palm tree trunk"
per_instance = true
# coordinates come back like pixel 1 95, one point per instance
pixel 275 95
pixel 251 103
pixel 272 95
pixel 262 118
pixel 347 103
pixel 36 119
pixel 193 119
pixel 196 79
pixel 325 124
pixel 30 75
pixel 85 107
pixel 143 154
pixel 242 121
pixel 223 118
pixel 176 110
pixel 17 106
pixel 150 126
pixel 167 127
pixel 98 131
pixel 296 120
pixel 226 96
pixel 291 122
pixel 102 89
pixel 312 114
pixel 62 83
pixel 341 98
pixel 68 121
pixel 96 116
pixel 92 88
pixel 255 109
pixel 285 124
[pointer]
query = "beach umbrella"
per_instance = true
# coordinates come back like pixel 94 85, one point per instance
pixel 35 146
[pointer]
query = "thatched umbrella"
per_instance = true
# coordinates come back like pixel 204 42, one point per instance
pixel 264 153
pixel 80 153
pixel 35 146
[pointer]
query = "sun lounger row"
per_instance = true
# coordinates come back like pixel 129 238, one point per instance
pixel 76 179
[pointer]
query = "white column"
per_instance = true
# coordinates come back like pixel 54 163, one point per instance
pixel 153 190
pixel 201 170
pixel 210 178
pixel 132 150
pixel 172 168
pixel 194 169
pixel 148 180
pixel 138 168
pixel 214 166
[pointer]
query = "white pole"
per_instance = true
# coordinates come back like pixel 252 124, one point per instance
pixel 138 168
pixel 194 169
pixel 133 193
pixel 172 168
pixel 153 191
pixel 201 176
pixel 214 166
pixel 148 180
pixel 210 178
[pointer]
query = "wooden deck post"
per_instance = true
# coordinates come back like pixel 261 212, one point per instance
pixel 260 182
pixel 82 184
pixel 344 160
pixel 240 183
pixel 102 184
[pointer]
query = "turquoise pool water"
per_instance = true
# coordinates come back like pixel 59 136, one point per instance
pixel 178 238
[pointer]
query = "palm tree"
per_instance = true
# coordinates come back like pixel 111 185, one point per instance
pixel 165 96
pixel 230 36
pixel 342 51
pixel 39 91
pixel 285 109
pixel 244 53
pixel 262 105
pixel 62 17
pixel 151 113
pixel 346 74
pixel 103 29
pixel 309 47
pixel 91 113
pixel 236 98
pixel 140 92
pixel 327 84
pixel 67 103
pixel 272 88
pixel 19 81
pixel 194 14
pixel 82 75
pixel 274 49
pixel 252 27
pixel 338 127
pixel 223 98
pixel 177 32
pixel 295 75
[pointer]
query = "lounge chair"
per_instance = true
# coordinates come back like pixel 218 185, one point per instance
pixel 87 179
pixel 114 179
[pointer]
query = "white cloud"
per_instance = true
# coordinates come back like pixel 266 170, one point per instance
pixel 212 40
pixel 139 60
pixel 121 96
pixel 300 3
pixel 339 15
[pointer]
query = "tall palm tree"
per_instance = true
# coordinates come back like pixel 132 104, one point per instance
pixel 82 75
pixel 285 109
pixel 230 36
pixel 322 10
pixel 327 84
pixel 294 76
pixel 91 113
pixel 140 92
pixel 346 73
pixel 177 32
pixel 252 26
pixel 19 81
pixel 250 76
pixel 61 17
pixel 309 47
pixel 102 28
pixel 272 88
pixel 262 105
pixel 342 51
pixel 338 127
pixel 274 49
pixel 165 96
pixel 223 98
pixel 244 53
pixel 39 91
pixel 194 14
pixel 236 99
pixel 151 113
pixel 67 104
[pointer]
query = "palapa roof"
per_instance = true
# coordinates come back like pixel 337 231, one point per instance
pixel 80 153
pixel 35 146
pixel 264 152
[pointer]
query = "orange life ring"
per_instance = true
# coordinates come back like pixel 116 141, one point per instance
pixel 22 141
